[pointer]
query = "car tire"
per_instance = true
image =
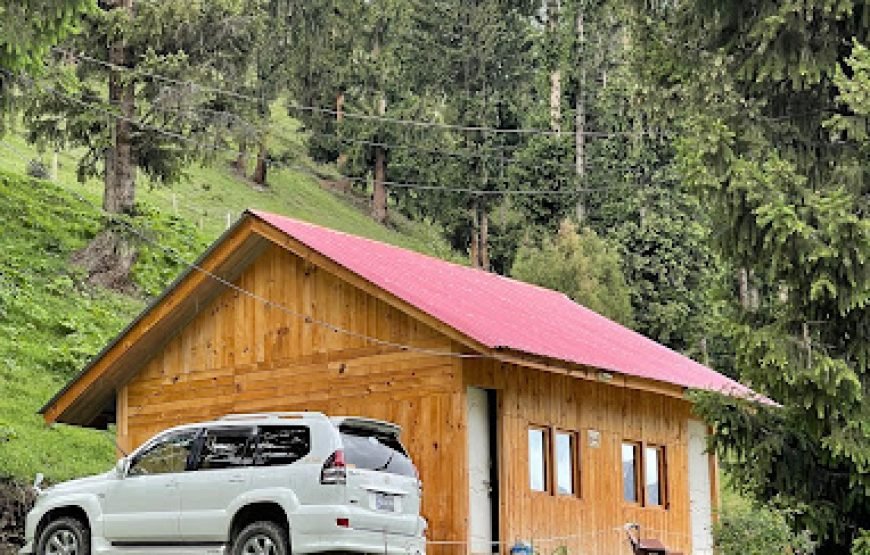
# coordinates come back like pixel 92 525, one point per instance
pixel 64 536
pixel 261 538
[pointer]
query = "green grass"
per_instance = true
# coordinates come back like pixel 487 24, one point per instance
pixel 52 322
pixel 49 324
pixel 210 193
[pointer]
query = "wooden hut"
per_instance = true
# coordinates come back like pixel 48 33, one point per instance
pixel 531 418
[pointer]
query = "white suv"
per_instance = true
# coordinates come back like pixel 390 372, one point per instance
pixel 265 484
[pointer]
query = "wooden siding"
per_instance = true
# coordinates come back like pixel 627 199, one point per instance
pixel 240 355
pixel 592 522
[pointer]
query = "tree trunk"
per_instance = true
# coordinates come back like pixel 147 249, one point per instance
pixel 240 164
pixel 556 101
pixel 120 183
pixel 484 239
pixel 109 257
pixel 580 116
pixel 743 288
pixel 260 170
pixel 553 9
pixel 379 195
pixel 474 248
pixel 339 117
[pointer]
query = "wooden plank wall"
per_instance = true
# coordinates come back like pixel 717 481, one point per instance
pixel 240 355
pixel 590 524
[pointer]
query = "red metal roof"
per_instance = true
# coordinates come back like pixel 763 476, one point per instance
pixel 504 313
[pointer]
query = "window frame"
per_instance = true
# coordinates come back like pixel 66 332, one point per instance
pixel 159 441
pixel 574 436
pixel 661 469
pixel 637 448
pixel 195 463
pixel 547 463
pixel 640 449
pixel 261 460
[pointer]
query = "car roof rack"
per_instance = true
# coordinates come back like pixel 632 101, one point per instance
pixel 271 415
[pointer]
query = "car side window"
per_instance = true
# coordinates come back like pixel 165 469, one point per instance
pixel 282 445
pixel 167 455
pixel 226 448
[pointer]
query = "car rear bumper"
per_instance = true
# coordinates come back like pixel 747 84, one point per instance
pixel 359 541
pixel 315 529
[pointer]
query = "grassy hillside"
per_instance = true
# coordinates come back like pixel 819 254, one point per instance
pixel 210 193
pixel 51 322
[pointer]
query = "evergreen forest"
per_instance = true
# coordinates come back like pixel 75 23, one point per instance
pixel 697 171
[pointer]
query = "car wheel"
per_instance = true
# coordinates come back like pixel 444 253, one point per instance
pixel 64 536
pixel 261 538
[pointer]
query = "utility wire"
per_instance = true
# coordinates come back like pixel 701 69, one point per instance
pixel 307 318
pixel 462 154
pixel 305 170
pixel 353 115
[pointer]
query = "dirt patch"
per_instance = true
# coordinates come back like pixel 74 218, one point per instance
pixel 108 259
pixel 15 500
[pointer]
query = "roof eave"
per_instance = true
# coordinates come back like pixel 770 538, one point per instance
pixel 193 268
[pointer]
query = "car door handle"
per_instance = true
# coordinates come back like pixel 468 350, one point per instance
pixel 236 480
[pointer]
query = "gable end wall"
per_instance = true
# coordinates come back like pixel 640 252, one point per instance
pixel 239 355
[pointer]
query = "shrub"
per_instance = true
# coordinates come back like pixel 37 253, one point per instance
pixel 36 168
pixel 758 530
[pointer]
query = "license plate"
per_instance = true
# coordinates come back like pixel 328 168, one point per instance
pixel 384 502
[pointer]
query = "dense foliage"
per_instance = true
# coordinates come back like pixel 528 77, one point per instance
pixel 771 103
pixel 29 28
pixel 710 160
pixel 581 265
pixel 754 529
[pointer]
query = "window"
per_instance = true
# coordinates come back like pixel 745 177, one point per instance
pixel 168 454
pixel 277 445
pixel 538 459
pixel 644 466
pixel 226 448
pixel 630 474
pixel 566 462
pixel 654 475
pixel 371 450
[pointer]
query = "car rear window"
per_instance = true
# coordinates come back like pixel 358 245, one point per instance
pixel 282 445
pixel 371 450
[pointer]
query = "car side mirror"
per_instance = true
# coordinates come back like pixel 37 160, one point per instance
pixel 121 467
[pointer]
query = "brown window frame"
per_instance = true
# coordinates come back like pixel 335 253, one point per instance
pixel 661 468
pixel 575 463
pixel 640 482
pixel 638 469
pixel 547 451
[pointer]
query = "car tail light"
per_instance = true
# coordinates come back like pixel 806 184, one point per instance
pixel 343 522
pixel 334 470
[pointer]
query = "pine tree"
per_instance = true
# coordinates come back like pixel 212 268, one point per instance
pixel 147 123
pixel 775 141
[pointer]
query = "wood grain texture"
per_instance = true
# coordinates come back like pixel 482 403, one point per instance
pixel 241 355
pixel 592 521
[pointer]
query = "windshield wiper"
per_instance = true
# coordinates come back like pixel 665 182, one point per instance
pixel 386 464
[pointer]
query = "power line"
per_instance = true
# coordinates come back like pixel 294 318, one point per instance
pixel 467 154
pixel 307 318
pixel 305 170
pixel 352 115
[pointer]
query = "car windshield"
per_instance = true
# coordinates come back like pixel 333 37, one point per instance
pixel 374 450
